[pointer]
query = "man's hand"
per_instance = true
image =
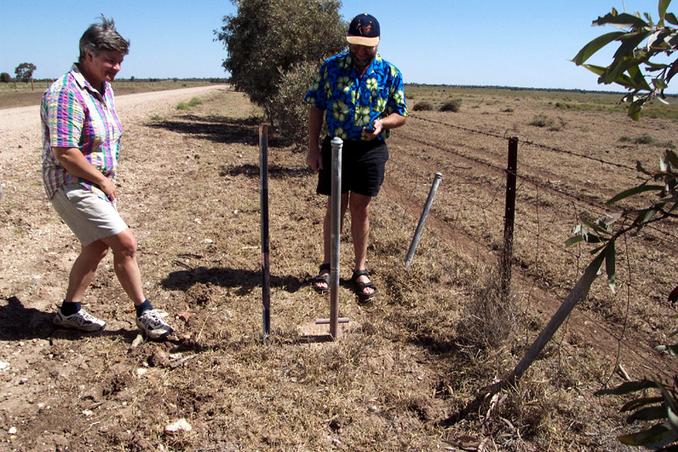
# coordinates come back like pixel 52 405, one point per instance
pixel 370 135
pixel 314 159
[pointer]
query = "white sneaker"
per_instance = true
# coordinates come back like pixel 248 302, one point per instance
pixel 81 320
pixel 151 323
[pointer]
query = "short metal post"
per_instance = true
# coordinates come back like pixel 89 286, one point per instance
pixel 335 233
pixel 265 264
pixel 509 218
pixel 422 219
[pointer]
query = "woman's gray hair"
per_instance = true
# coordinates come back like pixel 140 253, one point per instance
pixel 102 36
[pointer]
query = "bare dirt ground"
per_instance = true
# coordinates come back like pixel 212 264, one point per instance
pixel 189 189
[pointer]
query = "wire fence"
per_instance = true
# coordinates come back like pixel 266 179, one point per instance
pixel 598 206
pixel 661 239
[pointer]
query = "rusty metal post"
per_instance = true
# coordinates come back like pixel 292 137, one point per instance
pixel 335 234
pixel 422 219
pixel 265 264
pixel 509 217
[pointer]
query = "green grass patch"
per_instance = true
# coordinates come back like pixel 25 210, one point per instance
pixel 190 104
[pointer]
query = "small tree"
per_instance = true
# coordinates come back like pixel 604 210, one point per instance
pixel 24 72
pixel 5 77
pixel 268 38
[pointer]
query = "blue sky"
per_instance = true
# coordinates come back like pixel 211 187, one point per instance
pixel 466 42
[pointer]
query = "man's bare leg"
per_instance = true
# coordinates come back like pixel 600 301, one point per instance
pixel 327 233
pixel 360 232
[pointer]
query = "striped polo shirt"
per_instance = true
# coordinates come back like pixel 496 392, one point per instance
pixel 75 115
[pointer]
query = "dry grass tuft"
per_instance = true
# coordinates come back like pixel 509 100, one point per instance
pixel 487 321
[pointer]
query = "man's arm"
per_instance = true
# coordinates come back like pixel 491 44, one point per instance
pixel 315 123
pixel 76 165
pixel 392 121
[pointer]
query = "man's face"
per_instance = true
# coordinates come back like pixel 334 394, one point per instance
pixel 362 55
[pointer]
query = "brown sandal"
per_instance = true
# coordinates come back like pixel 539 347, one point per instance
pixel 323 277
pixel 359 286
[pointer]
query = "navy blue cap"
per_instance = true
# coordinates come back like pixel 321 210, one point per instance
pixel 363 30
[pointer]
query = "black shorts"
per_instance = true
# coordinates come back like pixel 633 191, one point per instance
pixel 362 167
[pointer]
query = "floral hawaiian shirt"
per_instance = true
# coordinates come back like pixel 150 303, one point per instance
pixel 352 102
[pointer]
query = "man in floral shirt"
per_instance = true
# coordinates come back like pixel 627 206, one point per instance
pixel 360 96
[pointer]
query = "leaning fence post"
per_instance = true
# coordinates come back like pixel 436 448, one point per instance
pixel 265 264
pixel 422 219
pixel 509 217
pixel 335 233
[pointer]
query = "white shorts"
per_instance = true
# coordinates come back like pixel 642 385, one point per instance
pixel 90 216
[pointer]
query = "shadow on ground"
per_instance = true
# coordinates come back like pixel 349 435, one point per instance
pixel 244 280
pixel 274 171
pixel 220 129
pixel 17 322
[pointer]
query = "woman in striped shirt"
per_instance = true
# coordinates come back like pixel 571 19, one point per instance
pixel 81 146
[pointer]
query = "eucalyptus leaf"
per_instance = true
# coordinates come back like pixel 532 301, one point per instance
pixel 645 216
pixel 595 45
pixel 629 42
pixel 659 84
pixel 637 76
pixel 621 19
pixel 634 110
pixel 671 18
pixel 574 239
pixel 633 191
pixel 598 70
pixel 662 6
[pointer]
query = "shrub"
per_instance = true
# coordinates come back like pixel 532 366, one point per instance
pixel 541 121
pixel 451 105
pixel 647 139
pixel 422 106
pixel 288 112
pixel 264 41
pixel 548 122
pixel 5 77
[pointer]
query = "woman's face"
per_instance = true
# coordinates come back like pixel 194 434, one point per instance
pixel 102 67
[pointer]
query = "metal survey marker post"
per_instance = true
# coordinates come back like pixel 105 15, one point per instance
pixel 422 219
pixel 265 263
pixel 335 234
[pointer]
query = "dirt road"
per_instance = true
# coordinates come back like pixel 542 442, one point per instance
pixel 27 119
